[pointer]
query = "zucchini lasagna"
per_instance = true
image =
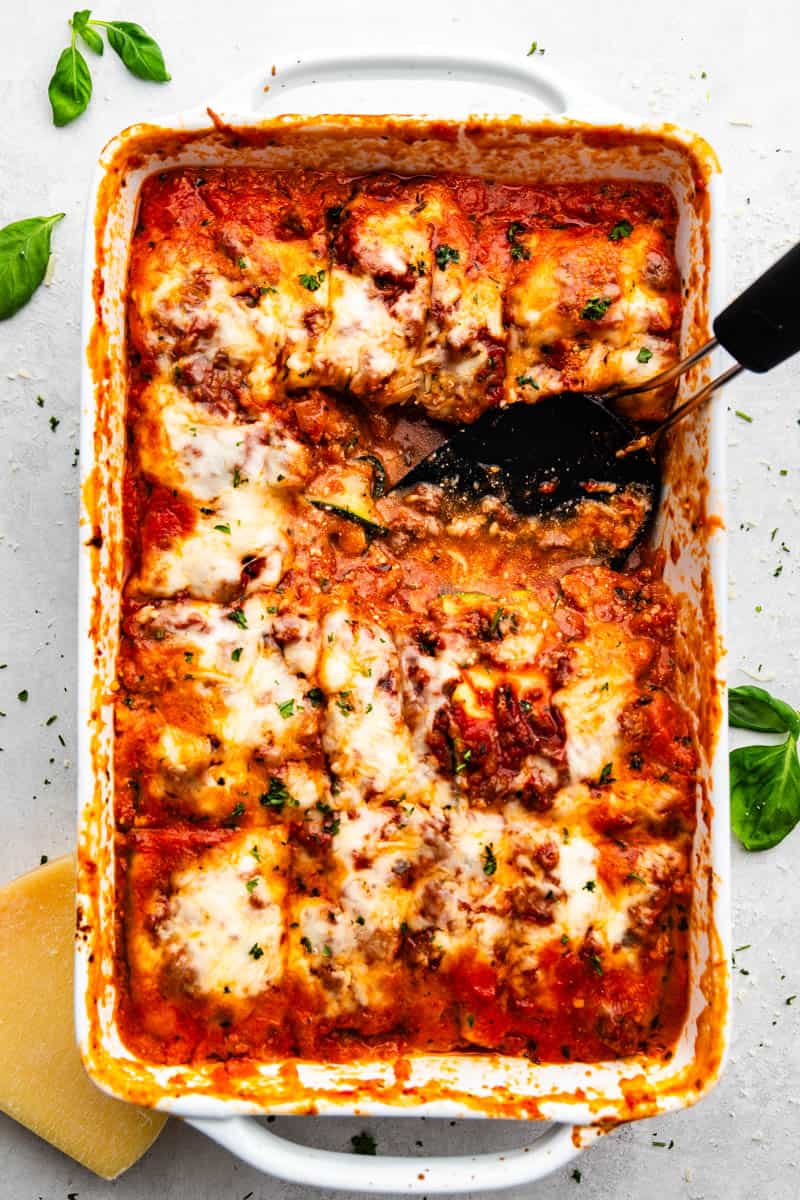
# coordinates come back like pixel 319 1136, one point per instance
pixel 391 774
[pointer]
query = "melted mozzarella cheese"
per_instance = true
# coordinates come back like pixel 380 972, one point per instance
pixel 224 924
pixel 466 310
pixel 582 905
pixel 365 735
pixel 465 890
pixel 259 701
pixel 247 523
pixel 565 271
pixel 374 332
pixel 593 697
pixel 181 446
pixel 363 346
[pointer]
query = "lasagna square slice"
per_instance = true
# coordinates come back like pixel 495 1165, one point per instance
pixel 379 293
pixel 229 278
pixel 462 355
pixel 214 493
pixel 205 929
pixel 365 735
pixel 216 722
pixel 480 674
pixel 355 950
pixel 586 312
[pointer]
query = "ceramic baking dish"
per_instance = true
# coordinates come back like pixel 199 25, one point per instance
pixel 560 135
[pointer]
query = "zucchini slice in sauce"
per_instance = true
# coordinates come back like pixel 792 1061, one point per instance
pixel 347 492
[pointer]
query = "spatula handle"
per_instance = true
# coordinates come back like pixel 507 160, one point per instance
pixel 761 327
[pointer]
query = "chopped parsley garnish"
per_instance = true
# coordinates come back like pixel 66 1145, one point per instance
pixel 595 308
pixel 331 824
pixel 315 696
pixel 256 853
pixel 54 424
pixel 326 951
pixel 363 1143
pixel 222 528
pixel 527 381
pixel 237 811
pixel 360 921
pixel 238 617
pixel 51 720
pixel 23 695
pixel 596 964
pixel 255 951
pixel 446 254
pixel 237 477
pixel 344 703
pixel 518 251
pixel 743 416
pixel 621 230
pixel 590 885
pixel 306 944
pixel 535 49
pixel 241 263
pixel 253 883
pixel 489 860
pixel 496 619
pixel 576 1175
pixel 312 283
pixel 644 355
pixel 276 795
pixel 461 758
pixel 236 654
pixel 606 775
pixel 634 878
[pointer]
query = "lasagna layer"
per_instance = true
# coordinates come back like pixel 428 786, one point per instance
pixel 389 776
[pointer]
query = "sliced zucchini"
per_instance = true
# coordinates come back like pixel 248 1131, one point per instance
pixel 347 492
pixel 378 474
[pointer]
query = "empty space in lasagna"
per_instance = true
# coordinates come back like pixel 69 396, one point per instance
pixel 389 776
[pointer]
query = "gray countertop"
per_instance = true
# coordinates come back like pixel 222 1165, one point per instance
pixel 727 70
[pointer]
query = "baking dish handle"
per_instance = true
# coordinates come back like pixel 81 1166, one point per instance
pixel 329 1169
pixel 498 84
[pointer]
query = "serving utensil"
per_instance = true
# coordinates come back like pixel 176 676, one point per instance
pixel 571 449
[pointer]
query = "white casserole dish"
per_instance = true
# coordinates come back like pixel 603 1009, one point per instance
pixel 592 142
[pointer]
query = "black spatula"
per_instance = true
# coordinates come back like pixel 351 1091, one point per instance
pixel 567 450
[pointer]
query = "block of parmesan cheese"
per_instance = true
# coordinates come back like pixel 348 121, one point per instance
pixel 42 1081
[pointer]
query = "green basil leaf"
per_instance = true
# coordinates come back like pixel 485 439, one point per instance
pixel 24 254
pixel 141 55
pixel 765 793
pixel 70 88
pixel 80 23
pixel 755 708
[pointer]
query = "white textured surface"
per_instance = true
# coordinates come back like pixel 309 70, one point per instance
pixel 648 58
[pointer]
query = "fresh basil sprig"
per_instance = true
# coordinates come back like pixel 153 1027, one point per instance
pixel 80 23
pixel 755 708
pixel 141 55
pixel 765 780
pixel 24 255
pixel 70 88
